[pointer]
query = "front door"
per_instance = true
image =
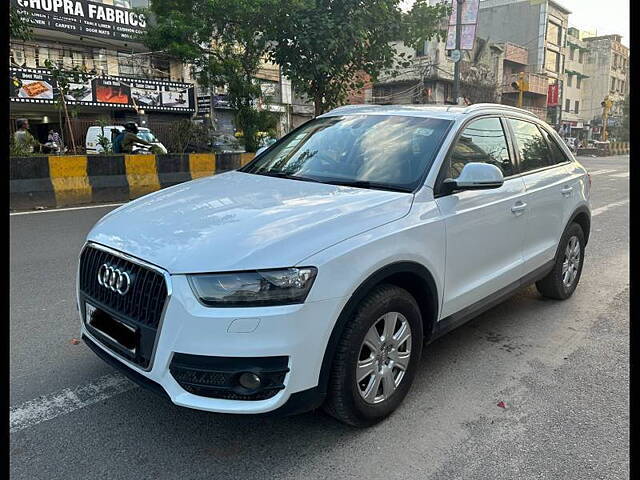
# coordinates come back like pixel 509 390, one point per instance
pixel 484 228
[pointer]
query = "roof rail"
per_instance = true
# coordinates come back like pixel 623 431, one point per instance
pixel 498 106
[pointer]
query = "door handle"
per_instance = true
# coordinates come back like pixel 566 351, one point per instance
pixel 518 208
pixel 566 191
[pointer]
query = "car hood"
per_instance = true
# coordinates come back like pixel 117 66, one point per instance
pixel 241 221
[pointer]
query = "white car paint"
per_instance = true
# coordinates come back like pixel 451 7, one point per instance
pixel 473 243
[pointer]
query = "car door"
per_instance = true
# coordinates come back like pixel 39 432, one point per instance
pixel 549 191
pixel 484 228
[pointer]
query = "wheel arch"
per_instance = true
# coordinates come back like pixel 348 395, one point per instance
pixel 413 277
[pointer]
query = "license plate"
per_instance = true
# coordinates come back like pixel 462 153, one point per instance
pixel 116 332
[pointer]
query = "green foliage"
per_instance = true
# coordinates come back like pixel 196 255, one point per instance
pixel 185 133
pixel 223 39
pixel 325 46
pixel 103 140
pixel 19 25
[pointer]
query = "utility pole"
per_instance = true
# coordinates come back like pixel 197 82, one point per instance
pixel 606 106
pixel 522 86
pixel 456 68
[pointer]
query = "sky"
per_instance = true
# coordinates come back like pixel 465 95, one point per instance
pixel 607 17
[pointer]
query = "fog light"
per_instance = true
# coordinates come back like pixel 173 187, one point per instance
pixel 249 380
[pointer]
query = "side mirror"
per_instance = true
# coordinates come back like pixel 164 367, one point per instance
pixel 475 176
pixel 260 150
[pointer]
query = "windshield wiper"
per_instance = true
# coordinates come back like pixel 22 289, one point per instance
pixel 287 175
pixel 366 184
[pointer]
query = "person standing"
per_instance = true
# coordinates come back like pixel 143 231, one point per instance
pixel 23 138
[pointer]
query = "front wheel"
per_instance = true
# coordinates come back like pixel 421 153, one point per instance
pixel 562 281
pixel 376 358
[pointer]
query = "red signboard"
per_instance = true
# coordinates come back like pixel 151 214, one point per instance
pixel 552 95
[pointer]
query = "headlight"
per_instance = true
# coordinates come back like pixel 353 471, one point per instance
pixel 253 289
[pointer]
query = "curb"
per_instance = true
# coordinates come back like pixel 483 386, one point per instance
pixel 61 181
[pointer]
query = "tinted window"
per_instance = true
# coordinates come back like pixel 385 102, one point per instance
pixel 481 141
pixel 532 146
pixel 557 155
pixel 383 150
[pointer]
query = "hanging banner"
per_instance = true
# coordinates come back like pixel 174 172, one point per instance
pixel 468 22
pixel 37 86
pixel 552 95
pixel 82 17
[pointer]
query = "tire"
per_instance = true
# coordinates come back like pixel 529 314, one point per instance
pixel 344 400
pixel 554 285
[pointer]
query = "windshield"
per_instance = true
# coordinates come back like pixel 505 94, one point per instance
pixel 369 151
pixel 147 136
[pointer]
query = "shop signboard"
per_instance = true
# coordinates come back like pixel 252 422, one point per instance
pixel 37 86
pixel 83 18
pixel 552 95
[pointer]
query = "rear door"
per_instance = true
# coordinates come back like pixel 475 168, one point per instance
pixel 484 228
pixel 549 190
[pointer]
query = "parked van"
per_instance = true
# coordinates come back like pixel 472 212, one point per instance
pixel 93 133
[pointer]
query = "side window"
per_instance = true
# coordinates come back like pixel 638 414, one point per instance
pixel 557 155
pixel 481 141
pixel 534 152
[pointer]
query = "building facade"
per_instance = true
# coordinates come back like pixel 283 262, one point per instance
pixel 607 66
pixel 575 117
pixel 125 82
pixel 541 28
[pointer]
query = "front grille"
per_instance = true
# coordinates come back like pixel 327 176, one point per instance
pixel 141 307
pixel 143 303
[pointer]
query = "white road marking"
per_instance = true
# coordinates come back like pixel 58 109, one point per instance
pixel 48 407
pixel 621 175
pixel 31 212
pixel 600 172
pixel 604 208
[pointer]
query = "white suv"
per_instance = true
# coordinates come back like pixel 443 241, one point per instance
pixel 315 274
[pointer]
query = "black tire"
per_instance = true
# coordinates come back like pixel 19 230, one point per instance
pixel 344 401
pixel 552 286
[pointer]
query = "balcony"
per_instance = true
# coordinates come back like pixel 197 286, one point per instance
pixel 516 53
pixel 538 84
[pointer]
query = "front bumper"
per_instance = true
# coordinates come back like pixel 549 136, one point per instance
pixel 298 332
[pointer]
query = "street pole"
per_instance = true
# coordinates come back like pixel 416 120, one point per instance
pixel 456 68
pixel 606 105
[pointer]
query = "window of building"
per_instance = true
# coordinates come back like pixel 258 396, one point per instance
pixel 571 53
pixel 567 105
pixel 581 57
pixel 482 141
pixel 18 56
pixel 420 51
pixel 577 107
pixel 569 79
pixel 554 34
pixel 100 60
pixel 613 84
pixel 578 81
pixel 552 63
pixel 534 152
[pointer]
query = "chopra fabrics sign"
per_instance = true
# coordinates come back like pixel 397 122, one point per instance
pixel 82 17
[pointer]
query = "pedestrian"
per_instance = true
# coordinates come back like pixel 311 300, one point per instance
pixel 23 138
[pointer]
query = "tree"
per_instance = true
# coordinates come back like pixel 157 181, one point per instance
pixel 224 41
pixel 324 46
pixel 64 79
pixel 19 26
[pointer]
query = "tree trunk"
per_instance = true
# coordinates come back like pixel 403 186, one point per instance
pixel 318 106
pixel 66 114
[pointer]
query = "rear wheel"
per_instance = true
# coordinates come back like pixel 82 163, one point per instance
pixel 376 358
pixel 562 281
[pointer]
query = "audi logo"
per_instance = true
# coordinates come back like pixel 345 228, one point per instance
pixel 114 279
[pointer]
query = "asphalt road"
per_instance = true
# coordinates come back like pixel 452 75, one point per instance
pixel 561 368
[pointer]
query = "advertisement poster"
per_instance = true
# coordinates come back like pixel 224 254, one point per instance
pixel 37 86
pixel 552 95
pixel 32 86
pixel 468 21
pixel 82 17
pixel 467 37
pixel 469 12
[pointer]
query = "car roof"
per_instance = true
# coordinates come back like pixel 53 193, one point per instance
pixel 452 112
